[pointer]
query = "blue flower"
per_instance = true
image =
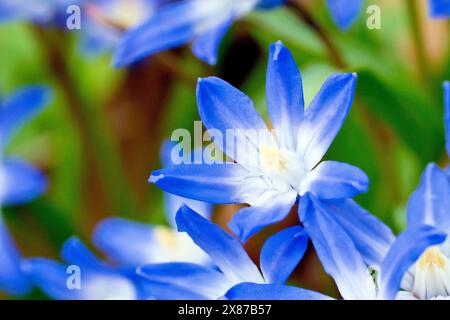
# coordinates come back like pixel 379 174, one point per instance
pixel 439 8
pixel 280 255
pixel 270 173
pixel 368 262
pixel 82 277
pixel 127 245
pixel 106 21
pixel 344 12
pixel 19 181
pixel 204 22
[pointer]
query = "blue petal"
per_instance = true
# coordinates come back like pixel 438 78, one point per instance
pixel 408 247
pixel 223 107
pixel 334 180
pixel 37 11
pixel 75 252
pixel 430 203
pixel 20 182
pixel 193 281
pixel 51 277
pixel 19 107
pixel 371 237
pixel 171 202
pixel 324 117
pixel 344 12
pixel 12 280
pixel 253 291
pixel 281 253
pixel 217 183
pixel 285 100
pixel 336 251
pixel 440 8
pixel 225 251
pixel 248 221
pixel 269 4
pixel 447 114
pixel 127 242
pixel 172 26
pixel 206 46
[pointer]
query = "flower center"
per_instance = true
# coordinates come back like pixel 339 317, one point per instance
pixel 121 15
pixel 167 237
pixel 432 275
pixel 283 167
pixel 271 159
pixel 128 13
pixel 432 257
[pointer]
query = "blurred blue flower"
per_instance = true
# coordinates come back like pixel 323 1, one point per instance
pixel 204 22
pixel 106 21
pixel 270 173
pixel 280 255
pixel 42 12
pixel 82 277
pixel 126 245
pixel 19 181
pixel 344 12
pixel 439 8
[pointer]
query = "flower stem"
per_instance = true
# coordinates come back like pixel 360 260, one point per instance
pixel 419 43
pixel 97 150
pixel 308 19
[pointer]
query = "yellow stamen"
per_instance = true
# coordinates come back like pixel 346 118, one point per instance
pixel 431 256
pixel 271 159
pixel 166 237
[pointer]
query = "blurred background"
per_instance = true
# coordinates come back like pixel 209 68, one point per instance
pixel 101 136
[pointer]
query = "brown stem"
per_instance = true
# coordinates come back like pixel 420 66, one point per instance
pixel 308 19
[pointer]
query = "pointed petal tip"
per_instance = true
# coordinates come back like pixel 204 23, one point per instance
pixel 275 49
pixel 155 177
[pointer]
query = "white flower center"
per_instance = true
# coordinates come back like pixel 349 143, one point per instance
pixel 278 171
pixel 432 275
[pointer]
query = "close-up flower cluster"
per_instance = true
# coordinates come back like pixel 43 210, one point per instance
pixel 224 149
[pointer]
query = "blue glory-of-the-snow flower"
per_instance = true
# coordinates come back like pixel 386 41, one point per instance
pixel 205 22
pixel 416 265
pixel 126 244
pixel 279 256
pixel 271 173
pixel 19 181
pixel 82 277
pixel 439 8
